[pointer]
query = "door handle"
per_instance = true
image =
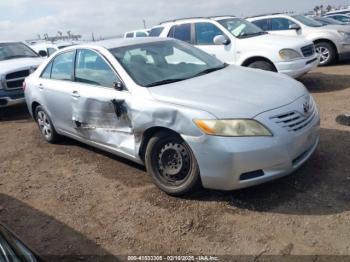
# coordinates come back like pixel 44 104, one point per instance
pixel 75 94
pixel 41 87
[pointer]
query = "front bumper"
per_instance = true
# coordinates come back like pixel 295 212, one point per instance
pixel 224 161
pixel 11 98
pixel 298 67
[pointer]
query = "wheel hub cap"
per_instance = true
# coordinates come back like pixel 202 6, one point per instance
pixel 324 54
pixel 44 124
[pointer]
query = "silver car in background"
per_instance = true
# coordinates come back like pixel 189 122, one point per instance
pixel 191 119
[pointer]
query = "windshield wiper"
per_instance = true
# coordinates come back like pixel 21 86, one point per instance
pixel 173 80
pixel 165 81
pixel 253 34
pixel 18 56
pixel 209 70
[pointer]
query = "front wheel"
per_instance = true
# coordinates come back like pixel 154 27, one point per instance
pixel 263 65
pixel 326 52
pixel 171 164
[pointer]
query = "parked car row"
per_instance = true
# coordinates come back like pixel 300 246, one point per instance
pixel 49 48
pixel 237 41
pixel 332 42
pixel 341 18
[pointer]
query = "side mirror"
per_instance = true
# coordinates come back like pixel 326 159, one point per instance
pixel 294 27
pixel 221 40
pixel 118 86
pixel 43 53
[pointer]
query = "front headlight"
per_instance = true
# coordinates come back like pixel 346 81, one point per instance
pixel 234 127
pixel 289 54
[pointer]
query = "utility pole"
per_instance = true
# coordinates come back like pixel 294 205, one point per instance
pixel 144 24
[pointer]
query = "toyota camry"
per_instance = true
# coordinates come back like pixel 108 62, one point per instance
pixel 189 118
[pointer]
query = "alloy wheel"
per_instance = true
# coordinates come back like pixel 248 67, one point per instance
pixel 324 53
pixel 44 125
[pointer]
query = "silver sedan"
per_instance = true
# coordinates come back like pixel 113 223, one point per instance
pixel 189 118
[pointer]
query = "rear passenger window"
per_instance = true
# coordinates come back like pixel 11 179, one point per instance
pixel 263 24
pixel 62 68
pixel 279 24
pixel 47 71
pixel 181 32
pixel 129 35
pixel 206 32
pixel 141 34
pixel 91 68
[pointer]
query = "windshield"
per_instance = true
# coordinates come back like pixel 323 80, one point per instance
pixel 241 28
pixel 164 62
pixel 326 21
pixel 15 50
pixel 307 21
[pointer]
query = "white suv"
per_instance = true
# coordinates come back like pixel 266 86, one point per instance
pixel 237 41
pixel 331 43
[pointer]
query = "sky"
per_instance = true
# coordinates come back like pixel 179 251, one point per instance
pixel 25 19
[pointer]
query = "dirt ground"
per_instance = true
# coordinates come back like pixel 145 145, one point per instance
pixel 73 199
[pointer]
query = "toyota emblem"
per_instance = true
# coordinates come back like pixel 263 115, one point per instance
pixel 306 107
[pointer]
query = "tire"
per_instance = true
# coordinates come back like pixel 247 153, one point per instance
pixel 45 125
pixel 328 54
pixel 172 164
pixel 263 65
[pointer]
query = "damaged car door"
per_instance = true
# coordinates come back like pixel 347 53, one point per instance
pixel 100 104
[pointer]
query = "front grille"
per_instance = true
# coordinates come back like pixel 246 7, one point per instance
pixel 294 121
pixel 15 80
pixel 308 50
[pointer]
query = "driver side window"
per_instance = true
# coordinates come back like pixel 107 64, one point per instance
pixel 279 24
pixel 92 69
pixel 206 32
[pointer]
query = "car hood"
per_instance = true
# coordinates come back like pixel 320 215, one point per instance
pixel 278 41
pixel 233 92
pixel 19 63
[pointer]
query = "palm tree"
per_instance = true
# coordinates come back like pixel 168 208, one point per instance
pixel 329 8
pixel 316 9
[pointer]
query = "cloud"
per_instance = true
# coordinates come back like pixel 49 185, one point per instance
pixel 24 19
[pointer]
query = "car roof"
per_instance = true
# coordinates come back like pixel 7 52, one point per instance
pixel 121 42
pixel 189 19
pixel 328 15
pixel 9 41
pixel 269 15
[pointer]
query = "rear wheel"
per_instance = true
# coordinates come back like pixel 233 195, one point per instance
pixel 264 65
pixel 45 125
pixel 326 52
pixel 171 164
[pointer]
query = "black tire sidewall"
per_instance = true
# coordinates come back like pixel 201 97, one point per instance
pixel 193 179
pixel 332 52
pixel 54 136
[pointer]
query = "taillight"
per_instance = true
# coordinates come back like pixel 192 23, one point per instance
pixel 24 85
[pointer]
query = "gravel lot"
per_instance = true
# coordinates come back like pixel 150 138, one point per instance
pixel 73 199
